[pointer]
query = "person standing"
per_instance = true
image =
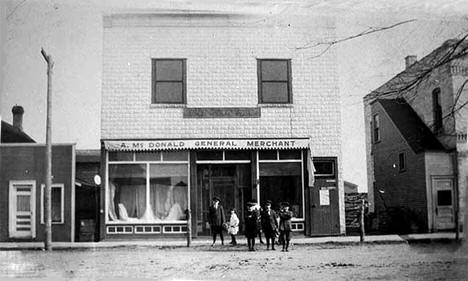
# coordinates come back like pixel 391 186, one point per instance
pixel 251 225
pixel 269 220
pixel 216 219
pixel 285 216
pixel 233 226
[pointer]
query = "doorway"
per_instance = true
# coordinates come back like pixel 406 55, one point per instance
pixel 229 182
pixel 22 206
pixel 443 202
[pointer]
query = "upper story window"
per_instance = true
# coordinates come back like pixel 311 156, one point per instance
pixel 169 81
pixel 436 110
pixel 274 81
pixel 402 162
pixel 376 128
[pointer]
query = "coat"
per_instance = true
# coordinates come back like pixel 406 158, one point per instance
pixel 251 224
pixel 216 216
pixel 285 220
pixel 233 226
pixel 269 223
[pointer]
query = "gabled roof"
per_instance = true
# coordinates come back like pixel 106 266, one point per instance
pixel 10 134
pixel 412 128
pixel 450 50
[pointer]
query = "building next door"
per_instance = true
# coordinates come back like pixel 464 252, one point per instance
pixel 443 203
pixel 22 206
pixel 229 182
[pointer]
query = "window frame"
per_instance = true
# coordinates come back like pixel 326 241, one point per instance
pixel 376 133
pixel 402 160
pixel 437 111
pixel 154 80
pixel 62 200
pixel 260 81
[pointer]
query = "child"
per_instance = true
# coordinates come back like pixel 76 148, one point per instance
pixel 285 216
pixel 251 225
pixel 233 226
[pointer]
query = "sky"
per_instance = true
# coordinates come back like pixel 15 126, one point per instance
pixel 364 63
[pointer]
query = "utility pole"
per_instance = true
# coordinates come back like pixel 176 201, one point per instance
pixel 48 154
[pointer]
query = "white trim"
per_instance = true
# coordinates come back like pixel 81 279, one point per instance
pixel 62 196
pixel 283 161
pixel 303 184
pixel 223 162
pixel 133 223
pixel 188 184
pixel 144 162
pixel 73 196
pixel 257 180
pixel 34 144
pixel 12 208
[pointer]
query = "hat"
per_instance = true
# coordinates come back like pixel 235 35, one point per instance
pixel 250 204
pixel 285 204
pixel 268 202
pixel 216 198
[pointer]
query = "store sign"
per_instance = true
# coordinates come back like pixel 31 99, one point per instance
pixel 148 145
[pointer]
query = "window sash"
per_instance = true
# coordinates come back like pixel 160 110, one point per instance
pixel 62 203
pixel 267 84
pixel 167 88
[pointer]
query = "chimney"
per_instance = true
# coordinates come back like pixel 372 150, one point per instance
pixel 410 60
pixel 18 117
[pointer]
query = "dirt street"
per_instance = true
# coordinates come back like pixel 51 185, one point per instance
pixel 303 262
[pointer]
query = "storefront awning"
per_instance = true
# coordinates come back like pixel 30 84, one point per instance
pixel 154 145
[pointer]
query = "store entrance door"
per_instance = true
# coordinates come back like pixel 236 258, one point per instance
pixel 229 182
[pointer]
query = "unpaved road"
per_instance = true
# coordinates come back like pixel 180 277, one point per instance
pixel 303 262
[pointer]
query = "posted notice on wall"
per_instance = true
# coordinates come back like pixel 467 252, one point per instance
pixel 324 195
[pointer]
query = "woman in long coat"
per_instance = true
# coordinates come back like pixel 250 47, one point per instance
pixel 251 225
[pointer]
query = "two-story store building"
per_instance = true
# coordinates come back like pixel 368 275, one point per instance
pixel 196 105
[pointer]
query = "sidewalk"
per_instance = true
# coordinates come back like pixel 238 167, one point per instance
pixel 205 241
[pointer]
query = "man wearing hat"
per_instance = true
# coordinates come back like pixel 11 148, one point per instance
pixel 269 224
pixel 251 225
pixel 216 219
pixel 285 225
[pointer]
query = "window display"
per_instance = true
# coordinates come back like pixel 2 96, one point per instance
pixel 148 192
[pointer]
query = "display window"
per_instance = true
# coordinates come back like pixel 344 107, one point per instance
pixel 147 188
pixel 281 179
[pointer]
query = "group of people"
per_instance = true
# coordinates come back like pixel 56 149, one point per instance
pixel 256 220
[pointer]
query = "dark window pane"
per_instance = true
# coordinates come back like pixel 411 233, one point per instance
pixel 274 70
pixel 120 156
pixel 273 92
pixel 175 156
pixel 402 161
pixel 324 168
pixel 210 155
pixel 237 155
pixel 444 197
pixel 169 92
pixel 267 155
pixel 169 70
pixel 56 204
pixel 148 156
pixel 289 154
pixel 281 182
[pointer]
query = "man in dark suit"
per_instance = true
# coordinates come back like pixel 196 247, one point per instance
pixel 216 219
pixel 285 228
pixel 269 224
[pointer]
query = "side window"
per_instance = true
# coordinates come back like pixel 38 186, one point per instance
pixel 376 128
pixel 402 162
pixel 274 81
pixel 57 203
pixel 436 110
pixel 168 81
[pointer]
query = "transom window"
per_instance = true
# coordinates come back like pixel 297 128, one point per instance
pixel 169 81
pixel 274 81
